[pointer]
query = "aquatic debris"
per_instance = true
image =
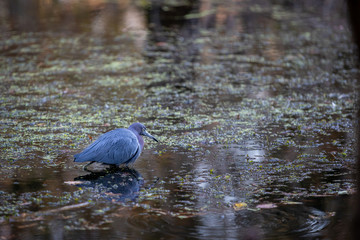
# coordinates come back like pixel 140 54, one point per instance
pixel 40 215
pixel 200 14
pixel 266 205
pixel 65 208
pixel 239 206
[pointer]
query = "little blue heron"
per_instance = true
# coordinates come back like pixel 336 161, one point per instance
pixel 119 146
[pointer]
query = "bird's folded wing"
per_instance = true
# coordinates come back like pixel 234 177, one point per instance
pixel 115 147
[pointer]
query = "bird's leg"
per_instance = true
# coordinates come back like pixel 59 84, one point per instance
pixel 112 168
pixel 86 166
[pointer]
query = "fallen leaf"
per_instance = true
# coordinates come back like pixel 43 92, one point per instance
pixel 240 205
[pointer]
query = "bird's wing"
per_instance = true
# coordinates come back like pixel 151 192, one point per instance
pixel 115 147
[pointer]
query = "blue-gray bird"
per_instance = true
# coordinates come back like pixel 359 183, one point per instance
pixel 119 146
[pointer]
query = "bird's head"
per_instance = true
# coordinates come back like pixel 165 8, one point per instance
pixel 141 130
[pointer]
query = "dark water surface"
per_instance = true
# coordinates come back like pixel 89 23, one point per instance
pixel 252 102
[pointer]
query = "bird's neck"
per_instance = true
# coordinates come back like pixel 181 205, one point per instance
pixel 139 137
pixel 141 141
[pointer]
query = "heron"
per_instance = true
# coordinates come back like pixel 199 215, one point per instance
pixel 116 147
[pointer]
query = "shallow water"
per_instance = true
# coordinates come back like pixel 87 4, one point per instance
pixel 252 102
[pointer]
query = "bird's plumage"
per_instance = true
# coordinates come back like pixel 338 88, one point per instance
pixel 119 146
pixel 115 147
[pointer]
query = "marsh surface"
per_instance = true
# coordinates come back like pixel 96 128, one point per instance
pixel 252 102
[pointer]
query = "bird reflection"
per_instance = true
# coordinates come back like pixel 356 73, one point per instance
pixel 119 184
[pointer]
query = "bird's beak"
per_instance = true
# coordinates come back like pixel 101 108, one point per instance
pixel 145 133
